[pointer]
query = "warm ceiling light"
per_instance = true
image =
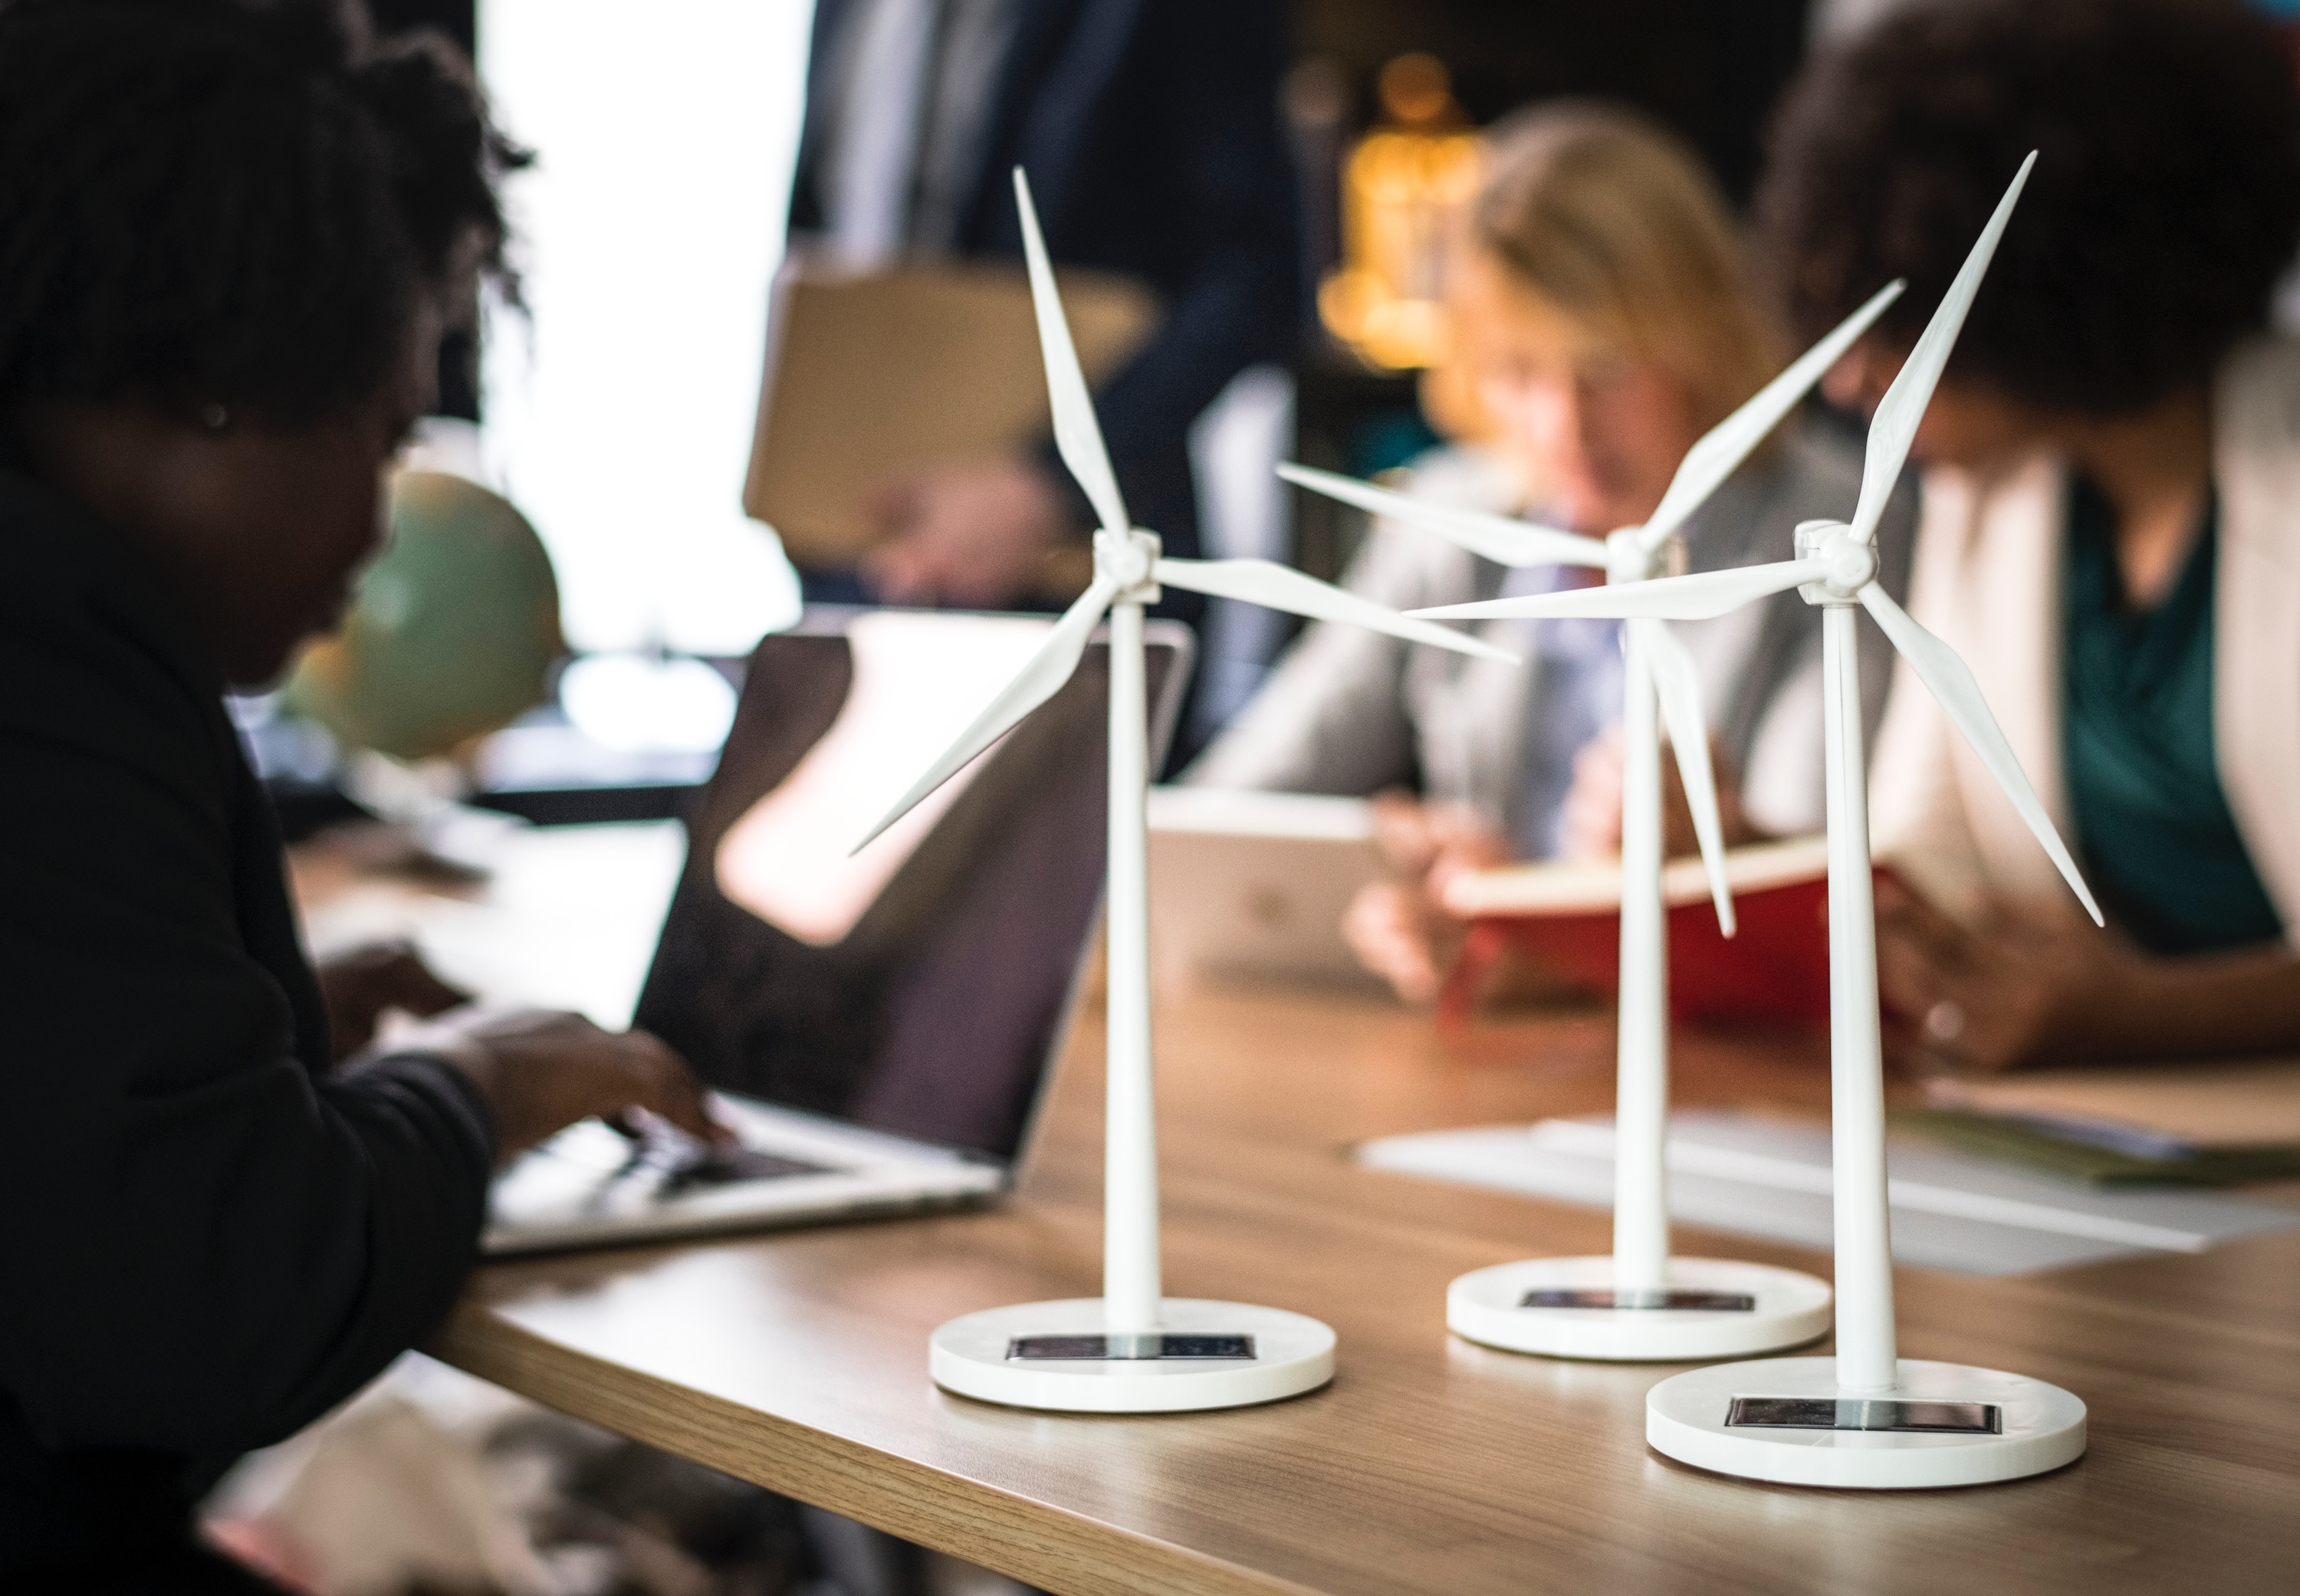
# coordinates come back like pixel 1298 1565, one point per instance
pixel 1404 192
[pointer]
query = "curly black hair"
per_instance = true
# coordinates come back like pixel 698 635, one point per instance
pixel 2164 205
pixel 234 201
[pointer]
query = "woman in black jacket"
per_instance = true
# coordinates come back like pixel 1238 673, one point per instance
pixel 230 233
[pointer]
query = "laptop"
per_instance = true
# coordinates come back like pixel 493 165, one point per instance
pixel 877 1030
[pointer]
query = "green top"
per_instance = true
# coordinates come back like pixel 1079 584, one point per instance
pixel 2159 844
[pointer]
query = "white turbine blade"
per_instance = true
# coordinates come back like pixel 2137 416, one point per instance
pixel 1499 538
pixel 1282 587
pixel 1038 681
pixel 1078 436
pixel 1678 685
pixel 1697 597
pixel 1895 428
pixel 1951 683
pixel 1724 446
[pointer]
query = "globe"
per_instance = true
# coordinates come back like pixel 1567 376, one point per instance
pixel 450 633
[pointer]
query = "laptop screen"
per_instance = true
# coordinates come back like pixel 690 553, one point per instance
pixel 919 986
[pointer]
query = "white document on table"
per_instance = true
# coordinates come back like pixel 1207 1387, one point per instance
pixel 1770 1178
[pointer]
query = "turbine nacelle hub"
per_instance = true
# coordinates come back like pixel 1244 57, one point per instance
pixel 1628 559
pixel 1130 560
pixel 1852 563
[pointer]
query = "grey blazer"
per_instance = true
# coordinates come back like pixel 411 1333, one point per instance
pixel 1351 711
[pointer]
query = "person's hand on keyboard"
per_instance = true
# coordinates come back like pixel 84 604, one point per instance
pixel 541 1072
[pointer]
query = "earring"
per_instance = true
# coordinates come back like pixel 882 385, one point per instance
pixel 214 417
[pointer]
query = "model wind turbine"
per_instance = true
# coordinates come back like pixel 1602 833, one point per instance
pixel 1641 1302
pixel 1132 1349
pixel 1867 1417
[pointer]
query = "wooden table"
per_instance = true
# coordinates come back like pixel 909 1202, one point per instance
pixel 799 1360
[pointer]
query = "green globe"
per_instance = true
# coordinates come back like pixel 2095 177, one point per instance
pixel 450 633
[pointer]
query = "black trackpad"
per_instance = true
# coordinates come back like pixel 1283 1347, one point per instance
pixel 717 1166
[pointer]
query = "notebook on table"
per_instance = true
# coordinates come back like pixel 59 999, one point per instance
pixel 2206 1123
pixel 877 1030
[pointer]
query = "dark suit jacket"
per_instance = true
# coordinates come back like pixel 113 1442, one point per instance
pixel 206 1240
pixel 1150 132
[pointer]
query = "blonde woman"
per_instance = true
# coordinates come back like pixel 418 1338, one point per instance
pixel 1604 322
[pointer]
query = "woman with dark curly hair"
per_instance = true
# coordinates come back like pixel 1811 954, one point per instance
pixel 2111 528
pixel 234 231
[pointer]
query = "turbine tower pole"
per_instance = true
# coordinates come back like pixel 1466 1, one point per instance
pixel 1131 1286
pixel 1641 1094
pixel 1866 1355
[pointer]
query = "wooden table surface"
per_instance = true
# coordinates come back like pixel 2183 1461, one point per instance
pixel 798 1360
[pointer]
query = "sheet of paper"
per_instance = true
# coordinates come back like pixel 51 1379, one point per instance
pixel 567 918
pixel 1770 1178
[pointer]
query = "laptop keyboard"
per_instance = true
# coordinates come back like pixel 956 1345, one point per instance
pixel 589 1174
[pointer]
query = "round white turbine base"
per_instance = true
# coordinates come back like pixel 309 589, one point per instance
pixel 1293 1353
pixel 2042 1427
pixel 1488 1306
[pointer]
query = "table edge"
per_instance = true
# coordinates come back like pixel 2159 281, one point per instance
pixel 1035 1541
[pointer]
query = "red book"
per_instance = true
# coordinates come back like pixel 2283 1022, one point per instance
pixel 1566 918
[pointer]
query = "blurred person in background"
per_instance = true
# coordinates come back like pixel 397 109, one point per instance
pixel 1150 136
pixel 234 233
pixel 2111 531
pixel 1603 320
